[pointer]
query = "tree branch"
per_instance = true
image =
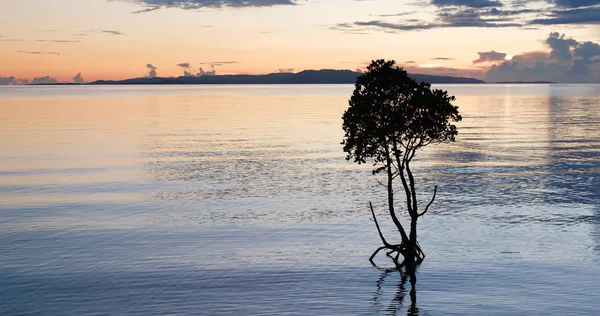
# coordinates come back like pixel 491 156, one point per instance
pixel 404 184
pixel 430 202
pixel 387 245
pixel 391 197
pixel 411 180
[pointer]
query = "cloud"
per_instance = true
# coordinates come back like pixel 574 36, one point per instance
pixel 285 70
pixel 58 41
pixel 152 72
pixel 189 72
pixel 569 61
pixel 37 53
pixel 570 16
pixel 530 59
pixel 460 14
pixel 219 63
pixel 44 80
pixel 498 12
pixel 444 71
pixel 467 18
pixel 78 79
pixel 152 5
pixel 394 14
pixel 489 56
pixel 387 25
pixel 442 58
pixel 467 3
pixel 561 46
pixel 111 32
pixel 7 81
pixel 576 3
pixel 473 18
pixel 201 72
pixel 523 14
pixel 146 10
pixel 104 31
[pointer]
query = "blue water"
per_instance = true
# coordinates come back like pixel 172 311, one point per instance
pixel 238 200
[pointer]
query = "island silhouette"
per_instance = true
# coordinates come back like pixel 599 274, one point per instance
pixel 323 76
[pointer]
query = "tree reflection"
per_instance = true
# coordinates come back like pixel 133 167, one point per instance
pixel 397 301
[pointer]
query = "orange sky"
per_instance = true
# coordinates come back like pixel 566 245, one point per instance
pixel 105 39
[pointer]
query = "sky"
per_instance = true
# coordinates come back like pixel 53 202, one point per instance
pixel 494 40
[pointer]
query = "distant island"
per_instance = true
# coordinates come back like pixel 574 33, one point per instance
pixel 325 76
pixel 525 82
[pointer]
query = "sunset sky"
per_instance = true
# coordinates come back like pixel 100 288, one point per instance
pixel 494 40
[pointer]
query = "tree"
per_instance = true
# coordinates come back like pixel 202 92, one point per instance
pixel 389 118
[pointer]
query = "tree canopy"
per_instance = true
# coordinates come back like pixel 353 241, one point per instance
pixel 388 109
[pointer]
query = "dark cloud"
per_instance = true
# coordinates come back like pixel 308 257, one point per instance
pixel 525 14
pixel 530 59
pixel 7 81
pixel 200 73
pixel 111 32
pixel 285 70
pixel 570 16
pixel 146 10
pixel 560 45
pixel 473 18
pixel 152 72
pixel 576 3
pixel 586 56
pixel 104 31
pixel 390 26
pixel 569 61
pixel 464 18
pixel 44 80
pixel 458 15
pixel 78 79
pixel 498 12
pixel 467 3
pixel 442 58
pixel 489 56
pixel 152 5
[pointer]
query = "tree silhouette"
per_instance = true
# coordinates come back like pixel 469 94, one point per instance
pixel 390 117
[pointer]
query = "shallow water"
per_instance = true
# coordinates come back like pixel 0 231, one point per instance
pixel 237 200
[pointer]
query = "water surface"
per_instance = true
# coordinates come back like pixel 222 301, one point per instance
pixel 237 200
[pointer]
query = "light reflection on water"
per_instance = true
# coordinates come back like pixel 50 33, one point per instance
pixel 200 200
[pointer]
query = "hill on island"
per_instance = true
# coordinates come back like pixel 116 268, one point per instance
pixel 325 76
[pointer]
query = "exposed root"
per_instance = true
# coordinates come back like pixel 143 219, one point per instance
pixel 395 250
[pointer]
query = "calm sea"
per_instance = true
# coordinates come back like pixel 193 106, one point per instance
pixel 179 200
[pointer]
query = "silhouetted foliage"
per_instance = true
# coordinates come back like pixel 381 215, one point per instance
pixel 390 117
